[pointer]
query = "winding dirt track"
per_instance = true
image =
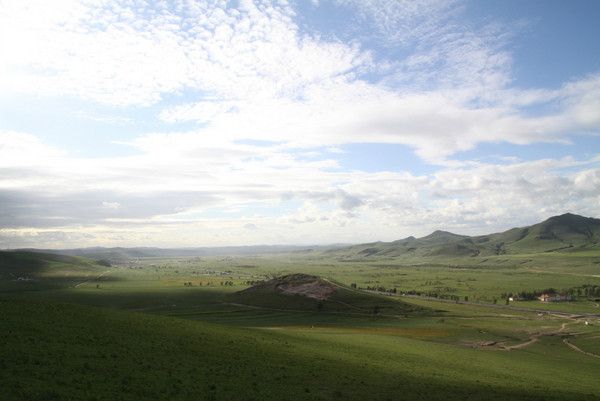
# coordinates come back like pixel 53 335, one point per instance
pixel 535 337
pixel 576 348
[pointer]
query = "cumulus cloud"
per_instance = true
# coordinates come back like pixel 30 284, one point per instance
pixel 268 106
pixel 273 195
pixel 256 75
pixel 20 149
pixel 435 124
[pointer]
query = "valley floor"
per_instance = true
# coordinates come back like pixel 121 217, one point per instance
pixel 168 330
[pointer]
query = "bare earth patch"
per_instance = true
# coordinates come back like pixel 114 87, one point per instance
pixel 295 284
pixel 316 289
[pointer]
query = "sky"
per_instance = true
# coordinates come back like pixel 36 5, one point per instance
pixel 210 123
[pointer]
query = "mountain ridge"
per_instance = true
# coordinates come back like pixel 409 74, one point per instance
pixel 562 233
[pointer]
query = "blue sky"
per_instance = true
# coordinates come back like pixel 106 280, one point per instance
pixel 555 42
pixel 254 122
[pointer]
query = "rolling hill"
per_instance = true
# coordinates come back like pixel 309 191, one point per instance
pixel 123 254
pixel 303 292
pixel 564 233
pixel 23 270
pixel 57 351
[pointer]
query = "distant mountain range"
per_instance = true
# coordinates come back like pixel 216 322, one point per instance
pixel 119 254
pixel 564 233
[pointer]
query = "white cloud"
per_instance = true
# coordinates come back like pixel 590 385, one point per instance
pixel 267 95
pixel 401 21
pixel 111 205
pixel 19 149
pixel 257 76
pixel 131 54
pixel 203 111
pixel 435 124
pixel 274 197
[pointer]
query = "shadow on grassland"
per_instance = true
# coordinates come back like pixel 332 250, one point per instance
pixel 53 351
pixel 23 271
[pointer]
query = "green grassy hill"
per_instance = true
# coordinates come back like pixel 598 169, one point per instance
pixel 294 337
pixel 24 270
pixel 24 262
pixel 557 233
pixel 565 233
pixel 54 351
pixel 303 292
pixel 122 254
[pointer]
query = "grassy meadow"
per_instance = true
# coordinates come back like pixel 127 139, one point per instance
pixel 177 329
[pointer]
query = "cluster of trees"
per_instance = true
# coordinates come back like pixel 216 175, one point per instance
pixel 451 297
pixel 586 290
pixel 433 294
pixel 377 288
pixel 200 284
pixel 253 282
pixel 208 284
pixel 528 295
pixel 429 294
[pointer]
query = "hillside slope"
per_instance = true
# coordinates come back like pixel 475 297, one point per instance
pixel 564 233
pixel 123 254
pixel 22 270
pixel 52 351
pixel 303 292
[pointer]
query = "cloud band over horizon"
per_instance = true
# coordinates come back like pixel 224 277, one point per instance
pixel 229 123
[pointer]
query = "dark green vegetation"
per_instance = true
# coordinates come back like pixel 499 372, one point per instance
pixel 298 326
pixel 59 352
pixel 24 271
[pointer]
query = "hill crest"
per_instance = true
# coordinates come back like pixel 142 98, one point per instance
pixel 308 293
pixel 563 233
pixel 301 284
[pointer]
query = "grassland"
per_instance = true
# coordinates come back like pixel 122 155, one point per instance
pixel 106 354
pixel 167 329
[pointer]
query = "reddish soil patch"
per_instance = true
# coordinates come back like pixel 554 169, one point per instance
pixel 295 284
pixel 317 289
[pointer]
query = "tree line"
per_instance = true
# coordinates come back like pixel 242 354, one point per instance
pixel 585 290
